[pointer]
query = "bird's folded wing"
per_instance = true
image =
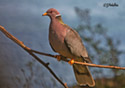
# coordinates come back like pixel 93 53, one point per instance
pixel 74 43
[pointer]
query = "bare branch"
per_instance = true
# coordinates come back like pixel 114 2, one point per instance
pixel 20 43
pixel 50 55
pixel 31 52
pixel 81 63
pixel 100 66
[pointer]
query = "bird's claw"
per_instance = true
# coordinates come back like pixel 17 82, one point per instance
pixel 71 62
pixel 58 57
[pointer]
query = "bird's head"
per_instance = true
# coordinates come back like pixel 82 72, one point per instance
pixel 52 13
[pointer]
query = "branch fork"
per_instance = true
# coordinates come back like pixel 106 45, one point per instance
pixel 31 52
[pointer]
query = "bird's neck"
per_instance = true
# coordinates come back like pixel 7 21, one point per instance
pixel 60 19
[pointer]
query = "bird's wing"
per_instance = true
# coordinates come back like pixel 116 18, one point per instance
pixel 74 43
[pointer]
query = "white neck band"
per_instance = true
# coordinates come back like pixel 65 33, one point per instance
pixel 58 15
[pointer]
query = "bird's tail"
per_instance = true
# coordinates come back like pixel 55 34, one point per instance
pixel 83 75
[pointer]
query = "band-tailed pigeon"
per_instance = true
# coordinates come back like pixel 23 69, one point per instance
pixel 68 43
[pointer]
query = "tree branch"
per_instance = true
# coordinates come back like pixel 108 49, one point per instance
pixel 20 43
pixel 31 52
pixel 100 66
pixel 81 63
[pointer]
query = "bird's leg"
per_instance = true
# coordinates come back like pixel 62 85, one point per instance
pixel 71 62
pixel 58 57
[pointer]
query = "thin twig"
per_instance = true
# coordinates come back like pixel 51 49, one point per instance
pixel 81 63
pixel 50 55
pixel 20 43
pixel 100 66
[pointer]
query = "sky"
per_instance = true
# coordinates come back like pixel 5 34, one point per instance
pixel 24 17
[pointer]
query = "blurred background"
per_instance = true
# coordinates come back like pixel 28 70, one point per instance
pixel 101 28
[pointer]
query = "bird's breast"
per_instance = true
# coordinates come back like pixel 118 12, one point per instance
pixel 56 39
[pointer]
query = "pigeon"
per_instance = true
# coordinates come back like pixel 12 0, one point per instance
pixel 67 42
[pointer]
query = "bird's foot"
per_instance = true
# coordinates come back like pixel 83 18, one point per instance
pixel 58 57
pixel 71 62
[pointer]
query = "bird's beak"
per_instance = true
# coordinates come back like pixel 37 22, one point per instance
pixel 44 14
